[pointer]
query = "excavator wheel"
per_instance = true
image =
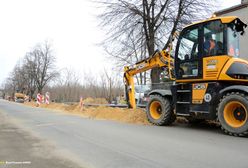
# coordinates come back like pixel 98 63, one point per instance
pixel 233 114
pixel 159 111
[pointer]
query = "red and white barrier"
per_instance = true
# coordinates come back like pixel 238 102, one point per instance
pixel 47 99
pixel 39 99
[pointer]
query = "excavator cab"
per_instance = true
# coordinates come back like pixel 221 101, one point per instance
pixel 214 37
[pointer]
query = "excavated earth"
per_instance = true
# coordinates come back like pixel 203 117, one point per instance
pixel 101 112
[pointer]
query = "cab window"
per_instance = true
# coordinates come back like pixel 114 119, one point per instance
pixel 188 48
pixel 213 44
pixel 233 41
pixel 188 53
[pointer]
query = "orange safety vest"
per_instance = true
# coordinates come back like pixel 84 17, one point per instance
pixel 231 50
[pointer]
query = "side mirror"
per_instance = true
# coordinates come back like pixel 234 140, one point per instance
pixel 239 26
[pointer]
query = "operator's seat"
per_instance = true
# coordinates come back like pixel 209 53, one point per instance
pixel 220 50
pixel 186 57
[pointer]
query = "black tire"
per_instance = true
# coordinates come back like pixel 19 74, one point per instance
pixel 159 111
pixel 233 114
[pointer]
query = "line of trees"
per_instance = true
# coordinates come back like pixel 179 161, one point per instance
pixel 32 73
pixel 70 86
pixel 36 73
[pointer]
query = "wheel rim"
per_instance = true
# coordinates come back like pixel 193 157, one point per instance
pixel 156 109
pixel 235 114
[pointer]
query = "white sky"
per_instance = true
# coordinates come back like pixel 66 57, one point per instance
pixel 70 25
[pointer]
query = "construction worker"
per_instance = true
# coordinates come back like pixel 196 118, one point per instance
pixel 209 45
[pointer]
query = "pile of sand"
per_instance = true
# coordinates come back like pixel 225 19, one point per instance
pixel 137 116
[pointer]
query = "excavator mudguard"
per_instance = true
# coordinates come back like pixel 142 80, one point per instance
pixel 161 92
pixel 234 88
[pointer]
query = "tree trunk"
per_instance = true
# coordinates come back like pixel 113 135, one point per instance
pixel 40 89
pixel 155 72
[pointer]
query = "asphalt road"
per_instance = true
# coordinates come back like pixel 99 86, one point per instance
pixel 108 144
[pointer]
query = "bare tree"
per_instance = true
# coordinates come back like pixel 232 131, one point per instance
pixel 29 73
pixel 137 28
pixel 40 65
pixel 33 72
pixel 68 86
pixel 9 88
pixel 18 78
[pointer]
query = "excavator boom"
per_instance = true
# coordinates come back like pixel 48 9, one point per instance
pixel 158 59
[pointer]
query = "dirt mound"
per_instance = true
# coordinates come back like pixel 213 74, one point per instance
pixel 137 116
pixel 118 114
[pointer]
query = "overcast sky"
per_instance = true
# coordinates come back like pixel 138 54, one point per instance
pixel 70 25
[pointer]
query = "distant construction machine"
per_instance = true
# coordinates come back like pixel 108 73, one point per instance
pixel 19 97
pixel 210 81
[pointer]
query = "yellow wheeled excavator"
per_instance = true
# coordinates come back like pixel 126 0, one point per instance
pixel 210 80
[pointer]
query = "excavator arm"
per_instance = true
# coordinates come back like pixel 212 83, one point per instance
pixel 158 59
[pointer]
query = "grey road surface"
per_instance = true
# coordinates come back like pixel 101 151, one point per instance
pixel 108 144
pixel 20 149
